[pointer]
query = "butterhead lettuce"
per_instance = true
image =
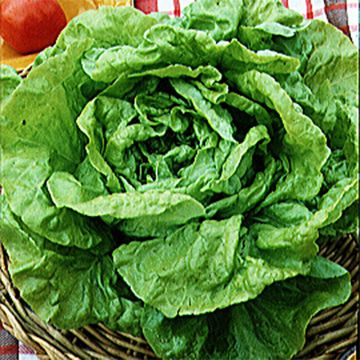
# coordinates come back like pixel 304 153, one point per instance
pixel 173 177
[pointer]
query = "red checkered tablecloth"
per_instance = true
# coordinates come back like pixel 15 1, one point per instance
pixel 11 349
pixel 344 14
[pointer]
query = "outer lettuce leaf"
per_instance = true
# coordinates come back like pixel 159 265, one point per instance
pixel 178 338
pixel 321 61
pixel 338 93
pixel 270 327
pixel 340 196
pixel 39 136
pixel 104 27
pixel 332 77
pixel 347 224
pixel 197 269
pixel 337 112
pixel 52 279
pixel 291 233
pixel 9 80
pixel 327 83
pixel 273 325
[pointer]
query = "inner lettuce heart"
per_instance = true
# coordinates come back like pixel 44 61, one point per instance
pixel 172 177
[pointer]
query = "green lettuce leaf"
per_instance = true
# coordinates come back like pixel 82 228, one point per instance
pixel 304 143
pixel 273 325
pixel 218 118
pixel 104 28
pixel 270 327
pixel 220 19
pixel 154 206
pixel 9 80
pixel 237 56
pixel 32 148
pixel 208 271
pixel 178 338
pixel 161 46
pixel 53 278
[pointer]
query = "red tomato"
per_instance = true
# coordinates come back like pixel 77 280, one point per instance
pixel 30 25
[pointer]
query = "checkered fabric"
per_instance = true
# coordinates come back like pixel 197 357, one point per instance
pixel 343 14
pixel 11 349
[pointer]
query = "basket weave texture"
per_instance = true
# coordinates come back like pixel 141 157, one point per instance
pixel 330 333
